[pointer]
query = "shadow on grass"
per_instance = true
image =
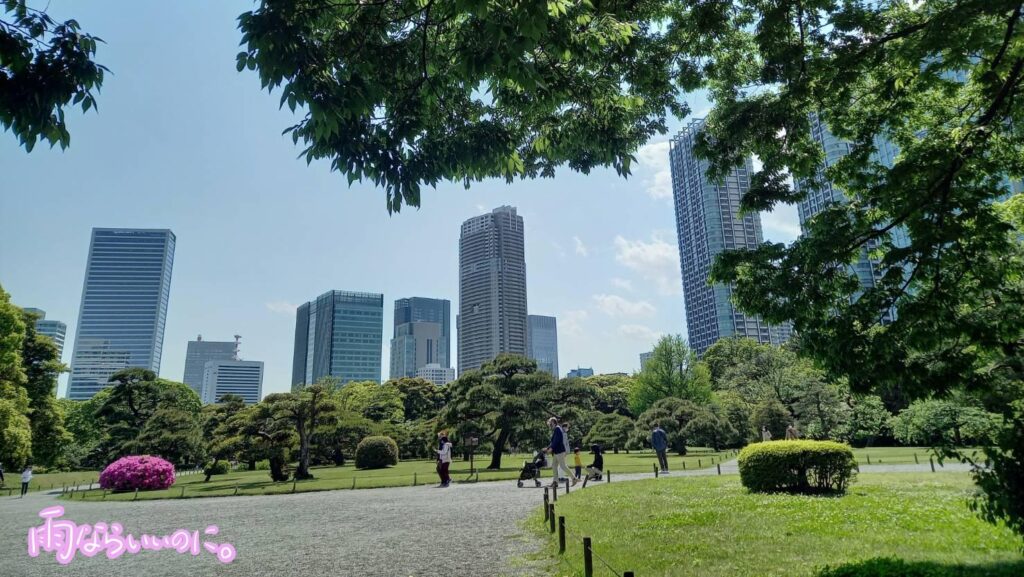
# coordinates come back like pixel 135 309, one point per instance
pixel 887 567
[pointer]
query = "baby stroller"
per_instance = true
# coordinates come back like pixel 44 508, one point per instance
pixel 531 469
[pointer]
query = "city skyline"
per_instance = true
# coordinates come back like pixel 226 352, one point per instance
pixel 260 232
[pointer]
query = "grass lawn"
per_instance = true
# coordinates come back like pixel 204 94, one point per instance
pixel 711 526
pixel 47 481
pixel 422 472
pixel 899 455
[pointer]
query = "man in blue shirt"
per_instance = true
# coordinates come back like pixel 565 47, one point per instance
pixel 558 449
pixel 659 440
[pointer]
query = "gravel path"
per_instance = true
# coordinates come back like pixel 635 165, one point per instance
pixel 466 530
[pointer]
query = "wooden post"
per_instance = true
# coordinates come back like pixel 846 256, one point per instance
pixel 684 464
pixel 547 501
pixel 655 471
pixel 353 482
pixel 90 485
pixel 588 558
pixel 415 480
pixel 551 516
pixel 136 494
pixel 567 486
pixel 554 492
pixel 932 462
pixel 916 462
pixel 104 494
pixel 608 479
pixel 869 458
pixel 294 483
pixel 561 535
pixel 627 574
pixel 182 495
pixel 719 468
pixel 236 488
pixel 699 464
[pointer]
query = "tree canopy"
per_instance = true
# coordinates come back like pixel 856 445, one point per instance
pixel 672 371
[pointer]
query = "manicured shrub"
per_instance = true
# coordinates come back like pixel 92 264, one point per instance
pixel 898 568
pixel 376 453
pixel 143 472
pixel 797 466
pixel 216 468
pixel 263 465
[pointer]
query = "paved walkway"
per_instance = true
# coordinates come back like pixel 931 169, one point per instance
pixel 466 530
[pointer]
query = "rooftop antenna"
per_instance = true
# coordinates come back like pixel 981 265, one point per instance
pixel 238 344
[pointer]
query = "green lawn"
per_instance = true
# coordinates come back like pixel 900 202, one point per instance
pixel 711 526
pixel 47 481
pixel 899 455
pixel 405 474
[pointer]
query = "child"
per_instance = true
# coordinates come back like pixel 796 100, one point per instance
pixel 26 478
pixel 594 471
pixel 579 463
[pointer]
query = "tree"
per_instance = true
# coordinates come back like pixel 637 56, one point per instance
pixel 707 428
pixel 868 420
pixel 672 371
pixel 377 402
pixel 81 422
pixel 272 437
pixel 773 415
pixel 673 415
pixel 42 365
pixel 421 399
pixel 507 399
pixel 337 440
pixel 821 411
pixel 940 422
pixel 15 428
pixel 220 430
pixel 612 393
pixel 468 90
pixel 611 430
pixel 45 67
pixel 137 397
pixel 306 410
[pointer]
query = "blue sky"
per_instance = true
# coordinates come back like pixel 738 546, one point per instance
pixel 183 141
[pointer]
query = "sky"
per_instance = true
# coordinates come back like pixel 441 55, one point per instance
pixel 183 141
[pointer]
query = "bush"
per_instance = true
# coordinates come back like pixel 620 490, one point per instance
pixel 263 465
pixel 142 472
pixel 376 453
pixel 798 466
pixel 216 468
pixel 899 568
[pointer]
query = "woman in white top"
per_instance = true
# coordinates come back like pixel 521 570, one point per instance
pixel 26 478
pixel 444 457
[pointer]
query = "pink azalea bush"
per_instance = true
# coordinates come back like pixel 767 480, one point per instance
pixel 143 472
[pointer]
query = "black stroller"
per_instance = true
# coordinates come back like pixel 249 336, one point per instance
pixel 532 469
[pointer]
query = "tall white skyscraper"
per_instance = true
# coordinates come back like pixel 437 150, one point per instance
pixel 124 306
pixel 232 377
pixel 56 330
pixel 492 288
pixel 708 222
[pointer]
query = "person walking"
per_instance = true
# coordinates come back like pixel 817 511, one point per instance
pixel 558 448
pixel 579 462
pixel 659 441
pixel 26 478
pixel 1 474
pixel 791 433
pixel 766 435
pixel 444 461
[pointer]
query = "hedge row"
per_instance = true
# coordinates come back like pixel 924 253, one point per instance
pixel 797 466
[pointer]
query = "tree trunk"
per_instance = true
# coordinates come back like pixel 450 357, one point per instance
pixel 277 473
pixel 499 447
pixel 252 464
pixel 209 471
pixel 302 472
pixel 615 450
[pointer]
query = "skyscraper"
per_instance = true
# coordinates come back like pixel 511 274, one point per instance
pixel 579 373
pixel 707 223
pixel 234 377
pixel 200 352
pixel 338 335
pixel 644 357
pixel 436 374
pixel 543 343
pixel 492 288
pixel 124 306
pixel 421 335
pixel 56 330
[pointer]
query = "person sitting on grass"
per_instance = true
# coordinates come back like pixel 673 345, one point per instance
pixel 596 469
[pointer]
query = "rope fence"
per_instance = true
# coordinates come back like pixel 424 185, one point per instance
pixel 564 532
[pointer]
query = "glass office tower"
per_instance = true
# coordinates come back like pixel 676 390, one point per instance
pixel 338 335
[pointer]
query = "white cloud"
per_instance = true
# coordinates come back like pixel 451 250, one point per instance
pixel 615 306
pixel 571 322
pixel 283 307
pixel 781 224
pixel 657 261
pixel 622 283
pixel 581 249
pixel 559 249
pixel 655 167
pixel 641 333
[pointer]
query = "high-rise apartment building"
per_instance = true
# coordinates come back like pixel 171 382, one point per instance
pixel 200 352
pixel 708 222
pixel 543 343
pixel 232 377
pixel 436 374
pixel 421 335
pixel 644 357
pixel 124 306
pixel 56 330
pixel 339 334
pixel 492 288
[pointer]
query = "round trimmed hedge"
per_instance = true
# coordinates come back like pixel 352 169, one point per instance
pixel 797 466
pixel 217 468
pixel 376 453
pixel 143 472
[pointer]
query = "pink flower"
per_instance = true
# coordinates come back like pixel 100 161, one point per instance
pixel 143 472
